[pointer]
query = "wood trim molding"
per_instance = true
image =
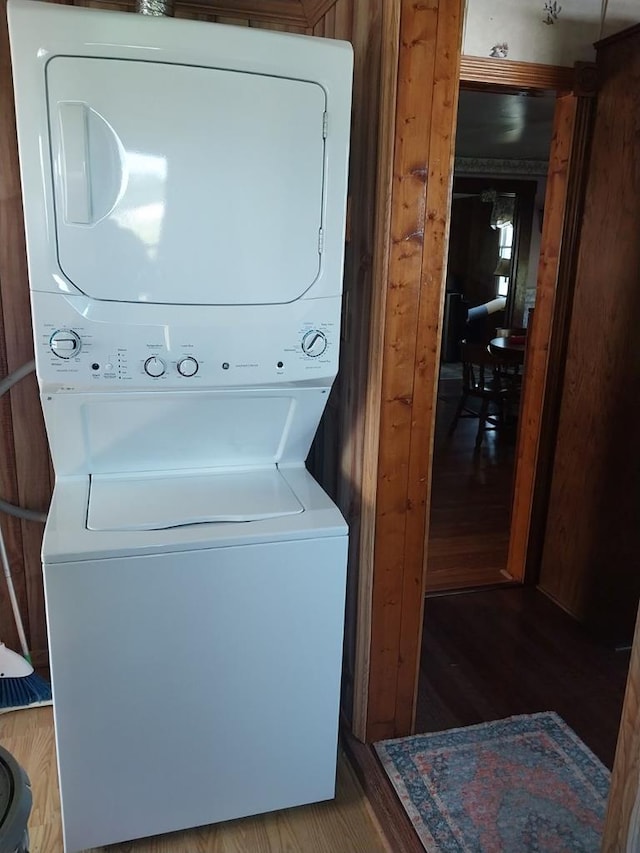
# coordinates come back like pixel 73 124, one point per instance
pixel 435 250
pixel 622 35
pixel 623 808
pixel 549 335
pixel 516 75
pixel 430 40
pixel 527 454
pixel 384 187
pixel 394 821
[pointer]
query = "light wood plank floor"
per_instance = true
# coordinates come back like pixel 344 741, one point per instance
pixel 345 825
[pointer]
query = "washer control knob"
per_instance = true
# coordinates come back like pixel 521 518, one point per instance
pixel 188 366
pixel 65 343
pixel 314 343
pixel 154 366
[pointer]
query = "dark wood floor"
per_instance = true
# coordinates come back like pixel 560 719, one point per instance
pixel 487 655
pixel 471 500
pixel 491 654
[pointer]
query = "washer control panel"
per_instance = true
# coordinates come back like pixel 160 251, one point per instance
pixel 188 366
pixel 154 366
pixel 296 343
pixel 65 343
pixel 314 343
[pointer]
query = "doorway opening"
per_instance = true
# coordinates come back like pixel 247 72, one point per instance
pixel 502 153
pixel 491 647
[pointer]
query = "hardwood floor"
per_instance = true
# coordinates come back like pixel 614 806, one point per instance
pixel 344 825
pixel 490 654
pixel 383 798
pixel 470 500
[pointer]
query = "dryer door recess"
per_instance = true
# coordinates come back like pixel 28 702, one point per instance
pixel 177 184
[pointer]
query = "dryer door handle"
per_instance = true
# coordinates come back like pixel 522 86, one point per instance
pixel 75 165
pixel 91 164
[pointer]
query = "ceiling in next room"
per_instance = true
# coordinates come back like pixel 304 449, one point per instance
pixel 509 127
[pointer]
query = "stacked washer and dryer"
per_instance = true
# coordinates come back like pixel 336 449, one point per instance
pixel 184 195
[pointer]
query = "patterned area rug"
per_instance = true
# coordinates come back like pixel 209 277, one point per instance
pixel 518 785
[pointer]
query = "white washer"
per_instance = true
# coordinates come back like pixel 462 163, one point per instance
pixel 184 191
pixel 196 672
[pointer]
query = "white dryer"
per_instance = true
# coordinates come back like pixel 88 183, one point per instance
pixel 184 193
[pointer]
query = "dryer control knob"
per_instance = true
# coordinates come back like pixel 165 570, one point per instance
pixel 65 343
pixel 154 366
pixel 188 366
pixel 314 343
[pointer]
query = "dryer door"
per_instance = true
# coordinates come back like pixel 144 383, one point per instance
pixel 177 184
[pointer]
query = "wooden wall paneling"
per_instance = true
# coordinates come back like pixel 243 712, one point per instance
pixel 343 19
pixel 361 430
pixel 316 9
pixel 180 12
pixel 364 22
pixel 592 537
pixel 238 22
pixel 11 528
pixel 434 262
pixel 391 624
pixel 536 374
pixel 267 25
pixel 318 28
pixel 124 6
pixel 418 32
pixel 330 23
pixel 622 822
pixel 425 119
pixel 271 11
pixel 30 450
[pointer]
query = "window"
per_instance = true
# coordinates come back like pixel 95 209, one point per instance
pixel 505 249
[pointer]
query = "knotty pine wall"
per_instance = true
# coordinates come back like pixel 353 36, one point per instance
pixel 25 473
pixel 337 455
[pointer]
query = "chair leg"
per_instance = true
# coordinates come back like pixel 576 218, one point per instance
pixel 482 419
pixel 456 417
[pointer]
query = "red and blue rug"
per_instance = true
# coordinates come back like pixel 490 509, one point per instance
pixel 518 785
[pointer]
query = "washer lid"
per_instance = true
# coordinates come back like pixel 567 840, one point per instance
pixel 163 501
pixel 181 184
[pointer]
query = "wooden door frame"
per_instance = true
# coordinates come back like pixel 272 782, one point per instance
pixel 622 822
pixel 422 66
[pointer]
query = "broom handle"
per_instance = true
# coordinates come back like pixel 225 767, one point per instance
pixel 12 597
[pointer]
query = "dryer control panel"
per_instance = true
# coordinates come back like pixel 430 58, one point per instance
pixel 80 350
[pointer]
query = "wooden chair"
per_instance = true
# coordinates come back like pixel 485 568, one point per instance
pixel 484 380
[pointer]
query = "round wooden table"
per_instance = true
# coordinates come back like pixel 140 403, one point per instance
pixel 508 349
